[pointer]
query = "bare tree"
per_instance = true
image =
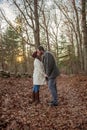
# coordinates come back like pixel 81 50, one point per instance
pixel 73 18
pixel 37 36
pixel 10 24
pixel 79 34
pixel 84 31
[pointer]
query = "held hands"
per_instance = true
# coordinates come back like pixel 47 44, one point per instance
pixel 46 77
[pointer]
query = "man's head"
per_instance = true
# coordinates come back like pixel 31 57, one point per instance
pixel 40 50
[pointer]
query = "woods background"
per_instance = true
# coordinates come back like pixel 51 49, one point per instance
pixel 59 25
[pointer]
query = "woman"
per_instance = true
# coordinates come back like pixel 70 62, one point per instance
pixel 38 77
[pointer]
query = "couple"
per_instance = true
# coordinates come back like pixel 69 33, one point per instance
pixel 45 69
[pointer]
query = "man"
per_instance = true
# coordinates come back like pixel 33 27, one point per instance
pixel 51 71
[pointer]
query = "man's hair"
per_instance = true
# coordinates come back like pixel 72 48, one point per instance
pixel 40 48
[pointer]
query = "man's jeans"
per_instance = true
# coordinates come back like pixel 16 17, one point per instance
pixel 53 89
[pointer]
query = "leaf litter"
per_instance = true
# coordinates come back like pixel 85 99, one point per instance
pixel 17 113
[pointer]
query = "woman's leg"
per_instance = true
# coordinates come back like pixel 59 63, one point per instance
pixel 33 94
pixel 36 88
pixel 36 91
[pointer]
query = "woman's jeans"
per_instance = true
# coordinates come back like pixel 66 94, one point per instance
pixel 53 89
pixel 36 88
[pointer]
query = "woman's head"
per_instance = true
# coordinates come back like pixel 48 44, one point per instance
pixel 35 55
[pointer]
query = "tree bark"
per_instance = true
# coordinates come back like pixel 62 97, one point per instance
pixel 84 31
pixel 36 32
pixel 46 30
pixel 79 35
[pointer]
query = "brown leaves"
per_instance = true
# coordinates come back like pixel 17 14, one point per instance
pixel 16 112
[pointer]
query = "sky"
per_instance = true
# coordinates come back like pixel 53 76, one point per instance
pixel 9 13
pixel 8 9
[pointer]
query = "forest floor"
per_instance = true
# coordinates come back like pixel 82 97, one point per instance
pixel 16 112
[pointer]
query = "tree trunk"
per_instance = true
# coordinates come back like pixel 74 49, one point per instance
pixel 36 32
pixel 79 36
pixel 46 30
pixel 24 57
pixel 2 54
pixel 84 31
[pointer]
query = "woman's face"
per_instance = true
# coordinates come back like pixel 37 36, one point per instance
pixel 39 53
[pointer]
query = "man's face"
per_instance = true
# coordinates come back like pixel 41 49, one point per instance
pixel 39 53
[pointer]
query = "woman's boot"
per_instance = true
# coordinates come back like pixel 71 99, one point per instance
pixel 33 97
pixel 37 99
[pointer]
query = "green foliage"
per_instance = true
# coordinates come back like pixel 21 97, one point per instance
pixel 10 42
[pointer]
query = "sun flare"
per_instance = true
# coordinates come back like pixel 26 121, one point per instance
pixel 19 59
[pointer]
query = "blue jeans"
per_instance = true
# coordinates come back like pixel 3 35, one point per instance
pixel 36 88
pixel 53 89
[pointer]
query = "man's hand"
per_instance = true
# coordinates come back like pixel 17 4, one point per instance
pixel 46 76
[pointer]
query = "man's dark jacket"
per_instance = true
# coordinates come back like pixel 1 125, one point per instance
pixel 50 66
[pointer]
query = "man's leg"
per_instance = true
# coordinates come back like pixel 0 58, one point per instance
pixel 53 89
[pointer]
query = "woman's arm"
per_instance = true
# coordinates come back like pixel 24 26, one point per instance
pixel 39 66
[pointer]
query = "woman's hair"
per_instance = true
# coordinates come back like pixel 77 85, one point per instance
pixel 34 55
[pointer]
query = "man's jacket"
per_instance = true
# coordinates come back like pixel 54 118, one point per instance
pixel 50 66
